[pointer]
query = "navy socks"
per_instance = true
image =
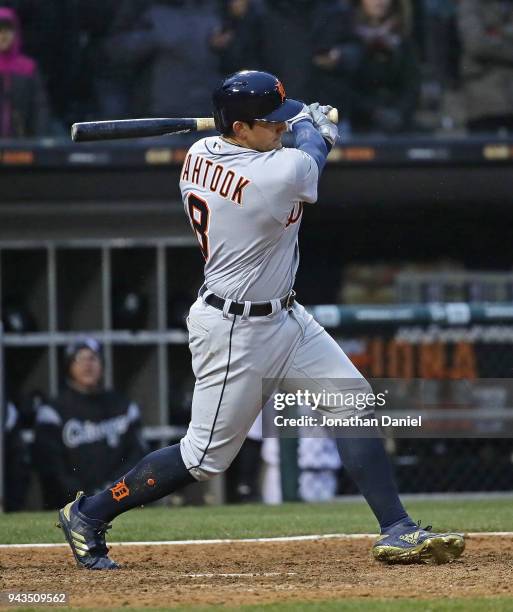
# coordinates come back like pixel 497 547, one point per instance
pixel 367 463
pixel 159 473
pixel 163 471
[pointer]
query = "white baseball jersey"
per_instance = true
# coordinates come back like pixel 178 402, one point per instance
pixel 245 208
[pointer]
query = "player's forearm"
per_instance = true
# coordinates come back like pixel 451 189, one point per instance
pixel 308 139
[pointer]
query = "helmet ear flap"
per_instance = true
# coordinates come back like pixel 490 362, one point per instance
pixel 221 121
pixel 217 121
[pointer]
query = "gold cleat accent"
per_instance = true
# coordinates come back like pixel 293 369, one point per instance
pixel 86 538
pixel 436 550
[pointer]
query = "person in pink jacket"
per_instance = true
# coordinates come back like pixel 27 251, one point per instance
pixel 23 100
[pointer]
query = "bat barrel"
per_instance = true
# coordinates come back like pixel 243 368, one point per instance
pixel 129 128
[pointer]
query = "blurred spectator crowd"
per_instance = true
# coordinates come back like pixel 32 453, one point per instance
pixel 390 66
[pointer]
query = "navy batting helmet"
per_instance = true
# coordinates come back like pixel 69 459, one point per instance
pixel 249 95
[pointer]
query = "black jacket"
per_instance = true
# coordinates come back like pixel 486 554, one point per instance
pixel 17 461
pixel 85 442
pixel 245 48
pixel 169 48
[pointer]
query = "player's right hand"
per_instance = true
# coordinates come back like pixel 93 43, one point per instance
pixel 327 129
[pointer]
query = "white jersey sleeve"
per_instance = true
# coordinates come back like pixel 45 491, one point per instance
pixel 291 176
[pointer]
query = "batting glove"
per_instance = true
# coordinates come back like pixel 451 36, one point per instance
pixel 304 114
pixel 327 129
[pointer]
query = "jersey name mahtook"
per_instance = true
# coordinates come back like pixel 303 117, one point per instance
pixel 205 173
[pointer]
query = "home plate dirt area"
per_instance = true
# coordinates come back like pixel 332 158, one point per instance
pixel 248 572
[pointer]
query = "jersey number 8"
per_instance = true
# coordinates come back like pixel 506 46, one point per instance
pixel 199 215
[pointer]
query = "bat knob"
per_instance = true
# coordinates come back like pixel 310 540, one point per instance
pixel 333 115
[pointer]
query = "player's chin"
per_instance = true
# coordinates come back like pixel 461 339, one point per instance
pixel 272 147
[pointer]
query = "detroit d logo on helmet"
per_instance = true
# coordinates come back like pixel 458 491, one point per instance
pixel 281 90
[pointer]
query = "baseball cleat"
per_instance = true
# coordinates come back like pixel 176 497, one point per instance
pixel 86 537
pixel 403 543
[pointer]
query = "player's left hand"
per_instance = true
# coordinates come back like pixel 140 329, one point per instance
pixel 304 114
pixel 327 129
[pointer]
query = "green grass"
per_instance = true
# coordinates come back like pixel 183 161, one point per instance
pixel 250 521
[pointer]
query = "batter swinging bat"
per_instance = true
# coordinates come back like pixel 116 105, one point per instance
pixel 138 128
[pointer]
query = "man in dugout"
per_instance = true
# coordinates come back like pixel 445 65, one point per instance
pixel 85 425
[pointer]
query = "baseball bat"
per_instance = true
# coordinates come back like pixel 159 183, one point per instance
pixel 138 128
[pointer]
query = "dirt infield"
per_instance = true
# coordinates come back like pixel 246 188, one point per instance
pixel 232 574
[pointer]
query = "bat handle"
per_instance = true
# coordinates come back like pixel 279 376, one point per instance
pixel 205 123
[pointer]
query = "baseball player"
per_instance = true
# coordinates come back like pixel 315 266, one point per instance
pixel 244 195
